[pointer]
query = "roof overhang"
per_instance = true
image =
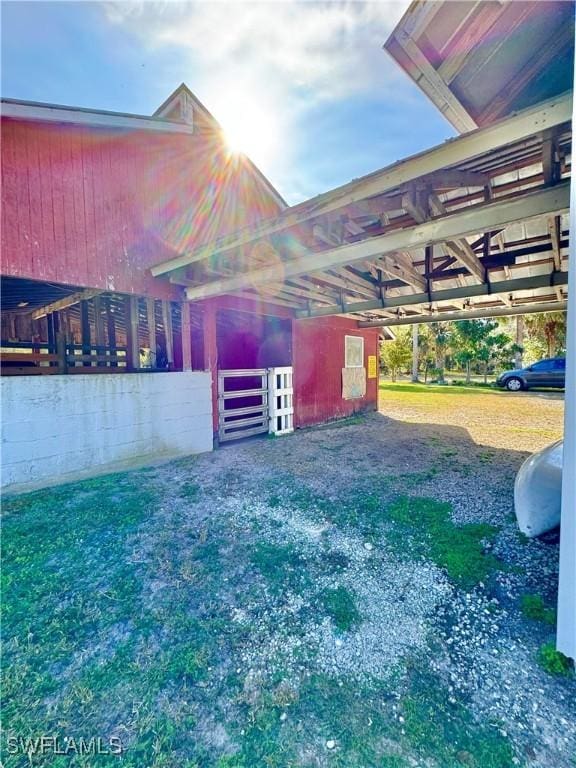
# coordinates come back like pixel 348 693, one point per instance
pixel 478 61
pixel 56 113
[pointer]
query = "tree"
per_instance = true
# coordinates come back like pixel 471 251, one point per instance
pixel 477 341
pixel 426 352
pixel 441 335
pixel 397 354
pixel 548 327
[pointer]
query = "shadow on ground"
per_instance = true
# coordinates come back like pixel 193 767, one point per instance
pixel 350 595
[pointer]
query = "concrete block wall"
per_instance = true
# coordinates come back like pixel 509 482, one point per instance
pixel 57 428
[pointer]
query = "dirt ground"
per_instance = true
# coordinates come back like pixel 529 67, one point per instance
pixel 351 595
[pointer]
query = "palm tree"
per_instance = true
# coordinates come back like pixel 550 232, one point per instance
pixel 550 326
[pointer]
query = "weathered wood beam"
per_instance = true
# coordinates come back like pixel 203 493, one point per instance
pixel 515 128
pixel 186 338
pixel 151 323
pixel 400 265
pixel 460 248
pixel 342 283
pixel 307 293
pixel 447 294
pixel 554 230
pixel 168 332
pixel 132 341
pixel 99 327
pixel 466 221
pixel 452 178
pixel 412 206
pixel 319 232
pixel 467 314
pixel 432 84
pixel 67 301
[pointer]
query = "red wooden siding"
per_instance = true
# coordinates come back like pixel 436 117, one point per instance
pixel 96 207
pixel 318 361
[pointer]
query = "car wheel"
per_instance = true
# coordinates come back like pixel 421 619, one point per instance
pixel 514 384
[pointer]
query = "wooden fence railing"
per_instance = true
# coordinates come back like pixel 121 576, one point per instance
pixel 41 358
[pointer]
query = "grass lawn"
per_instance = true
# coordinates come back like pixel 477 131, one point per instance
pixel 283 603
pixel 524 420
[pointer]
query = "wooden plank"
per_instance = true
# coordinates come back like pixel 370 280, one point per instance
pixel 151 322
pixel 434 86
pixel 29 357
pixel 68 301
pixel 98 322
pixel 186 338
pixel 95 358
pixel 555 238
pixel 111 327
pixel 132 342
pixel 167 324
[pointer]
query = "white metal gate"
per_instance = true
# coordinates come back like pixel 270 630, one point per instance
pixel 253 401
pixel 280 401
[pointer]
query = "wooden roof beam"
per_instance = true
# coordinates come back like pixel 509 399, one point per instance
pixel 434 86
pixel 515 128
pixel 461 248
pixel 341 283
pixel 400 265
pixel 554 230
pixel 467 314
pixel 67 301
pixel 466 221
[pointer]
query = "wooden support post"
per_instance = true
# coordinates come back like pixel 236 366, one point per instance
pixel 61 352
pixel 167 323
pixel 50 333
pixel 429 268
pixel 99 329
pixel 132 344
pixel 85 328
pixel 151 322
pixel 211 356
pixel 111 328
pixel 186 338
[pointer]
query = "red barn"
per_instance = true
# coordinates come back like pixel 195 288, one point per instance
pixel 92 202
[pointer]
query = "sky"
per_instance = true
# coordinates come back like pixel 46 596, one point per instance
pixel 304 88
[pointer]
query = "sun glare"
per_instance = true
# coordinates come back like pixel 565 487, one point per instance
pixel 250 129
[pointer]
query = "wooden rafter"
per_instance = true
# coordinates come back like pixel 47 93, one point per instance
pixel 67 301
pixel 400 265
pixel 465 221
pixel 460 248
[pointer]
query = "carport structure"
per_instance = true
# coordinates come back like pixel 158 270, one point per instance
pixel 479 223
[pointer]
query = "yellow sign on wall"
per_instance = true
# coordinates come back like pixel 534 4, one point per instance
pixel 372 366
